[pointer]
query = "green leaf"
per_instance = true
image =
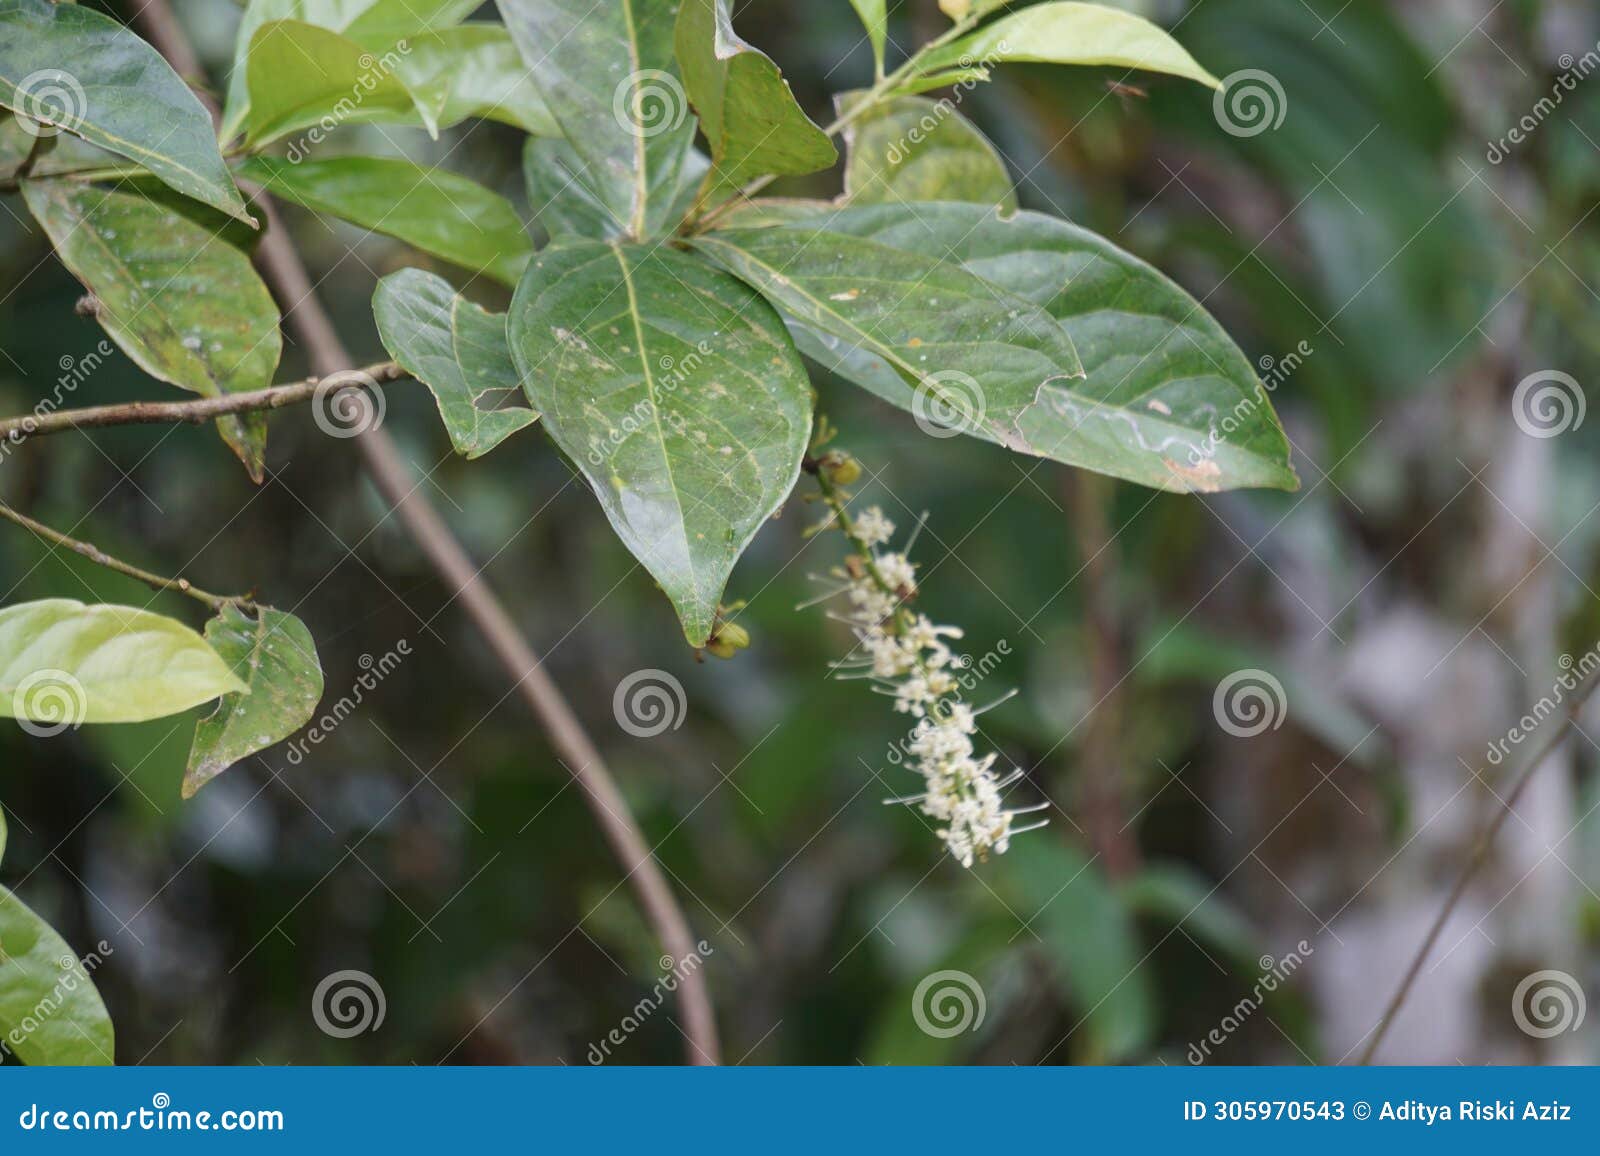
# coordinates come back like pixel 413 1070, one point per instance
pixel 676 391
pixel 457 350
pixel 63 664
pixel 875 19
pixel 174 294
pixel 912 149
pixel 438 211
pixel 303 77
pixel 1169 400
pixel 747 112
pixel 564 203
pixel 274 656
pixel 72 67
pixel 475 71
pixel 606 71
pixel 50 1012
pixel 1071 33
pixel 959 351
pixel 373 24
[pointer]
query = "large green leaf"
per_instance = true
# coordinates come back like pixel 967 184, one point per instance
pixel 746 109
pixel 438 211
pixel 375 25
pixel 174 293
pixel 606 71
pixel 50 1012
pixel 304 77
pixel 63 663
pixel 875 19
pixel 1071 33
pixel 271 653
pixel 563 202
pixel 1169 400
pixel 475 70
pixel 960 352
pixel 910 148
pixel 457 350
pixel 675 390
pixel 75 68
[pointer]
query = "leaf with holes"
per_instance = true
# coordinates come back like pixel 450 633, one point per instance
pixel 72 67
pixel 606 72
pixel 437 211
pixel 676 391
pixel 746 109
pixel 458 351
pixel 273 655
pixel 173 292
pixel 63 663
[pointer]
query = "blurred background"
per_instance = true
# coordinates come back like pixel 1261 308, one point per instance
pixel 1211 888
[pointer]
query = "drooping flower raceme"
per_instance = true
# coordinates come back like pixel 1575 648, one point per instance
pixel 909 658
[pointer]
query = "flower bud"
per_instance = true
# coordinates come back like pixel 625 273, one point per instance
pixel 843 470
pixel 729 639
pixel 955 9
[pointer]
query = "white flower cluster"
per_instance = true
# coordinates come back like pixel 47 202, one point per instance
pixel 908 657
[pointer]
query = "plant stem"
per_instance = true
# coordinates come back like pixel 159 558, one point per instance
pixel 1479 856
pixel 101 558
pixel 16 430
pixel 284 272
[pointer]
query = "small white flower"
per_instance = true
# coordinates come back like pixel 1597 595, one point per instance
pixel 897 571
pixel 872 528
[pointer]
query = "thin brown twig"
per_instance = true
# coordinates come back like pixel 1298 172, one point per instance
pixel 1479 856
pixel 17 430
pixel 284 272
pixel 101 558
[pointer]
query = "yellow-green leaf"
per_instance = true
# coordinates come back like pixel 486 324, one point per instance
pixel 63 664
